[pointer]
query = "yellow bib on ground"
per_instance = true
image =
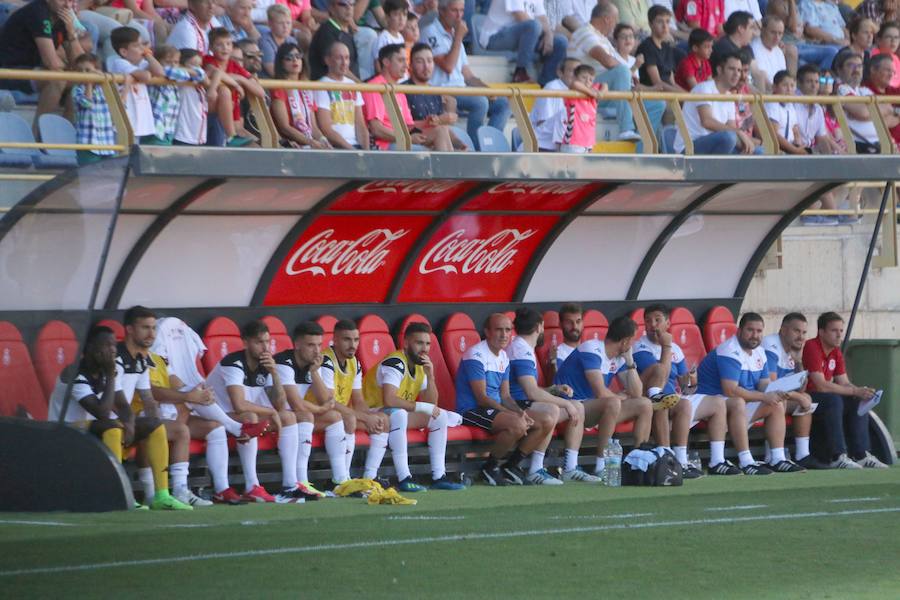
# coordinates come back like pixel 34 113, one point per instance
pixel 409 387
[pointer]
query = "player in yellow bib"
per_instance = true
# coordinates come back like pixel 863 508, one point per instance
pixel 393 387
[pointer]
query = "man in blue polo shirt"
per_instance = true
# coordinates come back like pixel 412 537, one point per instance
pixel 590 369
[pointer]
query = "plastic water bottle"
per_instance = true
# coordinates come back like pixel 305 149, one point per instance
pixel 613 463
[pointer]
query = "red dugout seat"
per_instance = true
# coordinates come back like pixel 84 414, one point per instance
pixel 222 337
pixel 458 336
pixel 55 348
pixel 279 339
pixel 637 315
pixel 595 326
pixel 327 323
pixel 374 341
pixel 445 386
pixel 20 390
pixel 552 337
pixel 686 334
pixel 718 326
pixel 118 328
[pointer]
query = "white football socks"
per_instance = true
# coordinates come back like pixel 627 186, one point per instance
pixel 716 452
pixel 777 456
pixel 287 451
pixel 537 462
pixel 349 448
pixel 680 454
pixel 745 458
pixel 304 433
pixel 398 443
pixel 377 447
pixel 247 453
pixel 214 412
pixel 145 476
pixel 802 448
pixel 571 460
pixel 217 458
pixel 178 474
pixel 336 449
pixel 437 445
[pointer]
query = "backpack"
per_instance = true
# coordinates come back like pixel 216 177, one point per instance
pixel 662 468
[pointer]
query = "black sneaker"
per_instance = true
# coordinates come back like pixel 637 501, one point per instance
pixel 723 468
pixel 786 466
pixel 513 474
pixel 812 463
pixel 663 401
pixel 756 468
pixel 492 475
pixel 691 472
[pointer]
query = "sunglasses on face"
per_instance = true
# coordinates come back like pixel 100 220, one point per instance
pixel 825 80
pixel 293 56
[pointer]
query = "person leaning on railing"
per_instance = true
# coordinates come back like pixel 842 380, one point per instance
pixel 294 111
pixel 881 71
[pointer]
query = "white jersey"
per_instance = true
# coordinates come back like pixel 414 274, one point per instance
pixel 132 371
pixel 193 112
pixel 136 96
pixel 84 385
pixel 181 347
pixel 546 114
pixel 562 353
pixel 721 112
pixel 779 360
pixel 232 370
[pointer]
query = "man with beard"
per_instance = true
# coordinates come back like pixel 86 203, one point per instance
pixel 738 370
pixel 395 387
pixel 571 321
pixel 850 72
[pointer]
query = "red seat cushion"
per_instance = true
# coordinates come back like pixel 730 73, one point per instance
pixel 279 339
pixel 458 336
pixel 718 326
pixel 327 323
pixel 374 341
pixel 686 334
pixel 552 338
pixel 595 326
pixel 117 328
pixel 637 315
pixel 445 386
pixel 55 348
pixel 19 387
pixel 222 337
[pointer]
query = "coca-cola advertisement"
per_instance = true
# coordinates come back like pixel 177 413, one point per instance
pixel 475 258
pixel 388 195
pixel 345 258
pixel 533 195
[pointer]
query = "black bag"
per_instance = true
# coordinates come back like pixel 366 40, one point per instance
pixel 664 471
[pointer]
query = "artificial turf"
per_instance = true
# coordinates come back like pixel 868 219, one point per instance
pixel 832 534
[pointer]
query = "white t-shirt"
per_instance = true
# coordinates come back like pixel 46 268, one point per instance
pixel 136 96
pixel 441 41
pixel 190 127
pixel 546 113
pixel 562 353
pixel 500 15
pixel 384 39
pixel 863 131
pixel 232 371
pixel 581 9
pixel 783 117
pixel 768 61
pixel 187 34
pixel 259 14
pixel 584 40
pixel 811 119
pixel 83 386
pixel 341 105
pixel 721 111
pixel 750 6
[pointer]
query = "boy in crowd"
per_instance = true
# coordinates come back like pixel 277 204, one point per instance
pixel 135 60
pixel 695 67
pixel 93 123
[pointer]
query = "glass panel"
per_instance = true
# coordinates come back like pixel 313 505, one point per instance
pixel 263 195
pixel 760 197
pixel 532 195
pixel 648 197
pixel 403 195
pixel 156 193
pixel 129 229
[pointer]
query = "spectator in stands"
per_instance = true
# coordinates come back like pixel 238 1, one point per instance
pixel 750 6
pixel 445 35
pixel 404 387
pixel 850 73
pixel 571 322
pixel 483 399
pixel 862 34
pixel 238 22
pixel 294 111
pixel 888 41
pixel 395 13
pixel 592 46
pixel 192 29
pixel 738 37
pixel 636 14
pixel 338 27
pixel 695 67
pixel 823 23
pixel 712 125
pixel 881 70
pixel 93 123
pixel 743 112
pixel 312 402
pixel 577 134
pixel 252 56
pixel 238 83
pixel 436 110
pixel 767 51
pixel 811 117
pixel 144 11
pixel 784 355
pixel 557 10
pixel 340 113
pixel 136 61
pixel 30 39
pixel 663 370
pixel 523 27
pixel 625 42
pixel 590 369
pixel 369 17
pixel 165 99
pixel 808 49
pixel 708 15
pixel 304 23
pixel 847 431
pixel 547 112
pixel 194 102
pixel 279 20
pixel 392 67
pixel 410 31
pixel 738 370
pixel 784 117
pixel 879 11
pixel 658 71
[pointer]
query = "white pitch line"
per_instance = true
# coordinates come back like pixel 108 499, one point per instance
pixel 738 507
pixel 581 517
pixel 439 539
pixel 424 518
pixel 48 523
pixel 866 499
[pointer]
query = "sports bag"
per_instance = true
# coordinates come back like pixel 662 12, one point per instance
pixel 647 465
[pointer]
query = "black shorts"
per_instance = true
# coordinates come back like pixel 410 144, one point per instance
pixel 482 418
pixel 524 404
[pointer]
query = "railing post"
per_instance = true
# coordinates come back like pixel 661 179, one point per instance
pixel 675 107
pixel 268 133
pixel 841 117
pixel 403 140
pixel 523 121
pixel 644 127
pixel 885 140
pixel 124 132
pixel 764 125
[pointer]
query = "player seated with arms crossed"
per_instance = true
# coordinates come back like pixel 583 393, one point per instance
pixel 403 387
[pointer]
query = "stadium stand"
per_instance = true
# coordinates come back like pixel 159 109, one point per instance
pixel 718 326
pixel 20 392
pixel 55 348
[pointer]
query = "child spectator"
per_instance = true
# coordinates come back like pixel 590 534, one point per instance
pixel 695 67
pixel 411 33
pixel 135 60
pixel 624 39
pixel 784 116
pixel 888 41
pixel 194 101
pixel 579 122
pixel 164 98
pixel 236 77
pixel 279 18
pixel 396 12
pixel 93 123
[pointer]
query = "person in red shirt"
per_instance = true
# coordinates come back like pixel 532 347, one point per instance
pixel 881 71
pixel 837 397
pixel 237 79
pixel 705 14
pixel 695 67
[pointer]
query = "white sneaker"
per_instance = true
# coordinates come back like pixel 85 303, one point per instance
pixel 189 497
pixel 844 462
pixel 629 136
pixel 870 462
pixel 542 477
pixel 578 474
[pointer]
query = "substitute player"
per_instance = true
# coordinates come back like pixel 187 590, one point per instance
pixel 571 322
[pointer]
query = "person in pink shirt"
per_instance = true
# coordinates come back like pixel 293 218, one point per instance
pixel 145 9
pixel 887 42
pixel 304 22
pixel 579 123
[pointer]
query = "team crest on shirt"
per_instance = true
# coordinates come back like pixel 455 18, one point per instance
pixel 831 364
pixel 260 379
pixel 759 363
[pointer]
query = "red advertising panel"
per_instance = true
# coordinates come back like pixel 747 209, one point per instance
pixel 403 195
pixel 533 195
pixel 475 258
pixel 345 259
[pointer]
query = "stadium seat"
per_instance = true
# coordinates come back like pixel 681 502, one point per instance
pixel 459 335
pixel 13 128
pixel 491 139
pixel 374 341
pixel 117 328
pixel 718 326
pixel 7 101
pixel 54 129
pixel 552 337
pixel 686 334
pixel 327 323
pixel 445 386
pixel 279 340
pixel 20 391
pixel 595 326
pixel 222 337
pixel 463 136
pixel 637 315
pixel 55 348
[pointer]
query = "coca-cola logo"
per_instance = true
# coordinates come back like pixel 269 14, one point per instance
pixel 407 187
pixel 362 256
pixel 553 188
pixel 455 253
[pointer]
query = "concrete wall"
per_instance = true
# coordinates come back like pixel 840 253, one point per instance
pixel 820 272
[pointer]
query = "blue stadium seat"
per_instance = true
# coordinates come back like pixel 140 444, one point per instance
pixel 668 139
pixel 7 101
pixel 463 136
pixel 13 128
pixel 56 130
pixel 478 49
pixel 491 139
pixel 515 140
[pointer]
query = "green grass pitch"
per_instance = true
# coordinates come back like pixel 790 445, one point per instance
pixel 832 534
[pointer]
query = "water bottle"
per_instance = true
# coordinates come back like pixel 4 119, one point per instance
pixel 614 464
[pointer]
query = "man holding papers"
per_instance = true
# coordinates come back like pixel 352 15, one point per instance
pixel 838 398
